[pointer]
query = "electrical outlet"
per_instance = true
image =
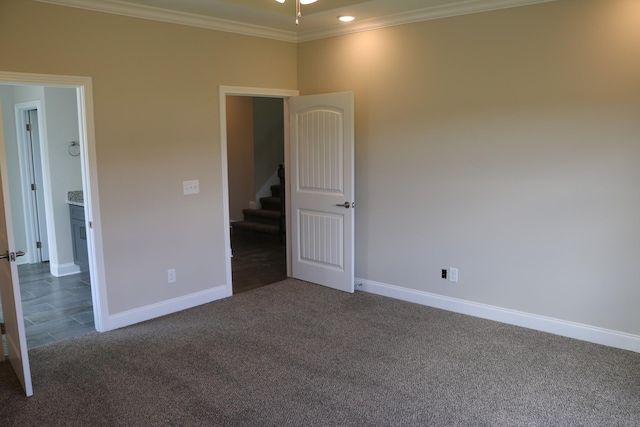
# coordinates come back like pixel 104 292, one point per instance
pixel 171 275
pixel 453 275
pixel 444 273
pixel 190 187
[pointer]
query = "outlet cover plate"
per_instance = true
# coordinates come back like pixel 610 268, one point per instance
pixel 453 275
pixel 190 187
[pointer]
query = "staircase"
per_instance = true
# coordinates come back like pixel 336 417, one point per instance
pixel 267 223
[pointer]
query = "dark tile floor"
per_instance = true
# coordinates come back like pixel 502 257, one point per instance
pixel 56 308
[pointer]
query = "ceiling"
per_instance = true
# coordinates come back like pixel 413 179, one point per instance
pixel 268 18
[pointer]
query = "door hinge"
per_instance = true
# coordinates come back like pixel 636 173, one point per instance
pixel 28 127
pixel 3 331
pixel 33 187
pixel 39 245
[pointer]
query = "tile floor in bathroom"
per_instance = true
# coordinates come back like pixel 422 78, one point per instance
pixel 54 308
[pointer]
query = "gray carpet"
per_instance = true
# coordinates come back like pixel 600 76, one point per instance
pixel 296 354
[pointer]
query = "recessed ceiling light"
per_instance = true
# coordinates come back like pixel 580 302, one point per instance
pixel 346 18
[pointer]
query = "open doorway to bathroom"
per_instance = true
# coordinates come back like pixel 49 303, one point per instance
pixel 42 134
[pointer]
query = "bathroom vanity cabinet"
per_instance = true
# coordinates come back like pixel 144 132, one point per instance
pixel 79 237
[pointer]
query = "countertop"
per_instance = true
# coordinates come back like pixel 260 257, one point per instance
pixel 75 198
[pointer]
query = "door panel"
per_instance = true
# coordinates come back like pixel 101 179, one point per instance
pixel 9 285
pixel 322 189
pixel 321 237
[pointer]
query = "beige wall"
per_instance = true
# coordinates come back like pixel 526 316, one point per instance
pixel 64 172
pixel 504 144
pixel 155 88
pixel 268 119
pixel 240 154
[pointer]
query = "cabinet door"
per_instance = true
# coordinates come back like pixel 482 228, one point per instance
pixel 79 238
pixel 80 245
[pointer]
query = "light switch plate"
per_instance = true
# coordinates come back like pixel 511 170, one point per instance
pixel 190 187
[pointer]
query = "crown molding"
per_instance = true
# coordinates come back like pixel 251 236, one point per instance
pixel 456 8
pixel 465 7
pixel 175 17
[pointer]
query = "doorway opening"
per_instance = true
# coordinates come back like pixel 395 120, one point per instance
pixel 48 135
pixel 255 149
pixel 54 278
pixel 254 135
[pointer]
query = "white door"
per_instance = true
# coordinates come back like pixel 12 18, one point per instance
pixel 322 189
pixel 9 285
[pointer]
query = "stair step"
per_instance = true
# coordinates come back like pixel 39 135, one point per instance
pixel 263 216
pixel 270 203
pixel 256 230
pixel 256 226
pixel 275 190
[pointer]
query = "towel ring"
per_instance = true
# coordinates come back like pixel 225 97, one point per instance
pixel 74 148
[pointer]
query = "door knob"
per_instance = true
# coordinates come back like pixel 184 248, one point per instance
pixel 344 205
pixel 11 256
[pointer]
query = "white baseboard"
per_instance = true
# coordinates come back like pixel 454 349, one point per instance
pixel 59 270
pixel 563 328
pixel 131 317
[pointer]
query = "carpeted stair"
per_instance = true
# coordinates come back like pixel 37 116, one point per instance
pixel 264 223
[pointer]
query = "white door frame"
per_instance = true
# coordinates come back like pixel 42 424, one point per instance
pixel 84 91
pixel 27 198
pixel 224 91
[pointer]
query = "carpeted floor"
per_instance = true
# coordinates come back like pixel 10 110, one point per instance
pixel 296 354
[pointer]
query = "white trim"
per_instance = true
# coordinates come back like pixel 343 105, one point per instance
pixel 89 167
pixel 560 327
pixel 60 270
pixel 21 261
pixel 287 183
pixel 19 79
pixel 223 92
pixel 256 91
pixel 464 7
pixel 83 86
pixel 175 17
pixel 461 7
pixel 25 179
pixel 45 167
pixel 26 170
pixel 152 311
